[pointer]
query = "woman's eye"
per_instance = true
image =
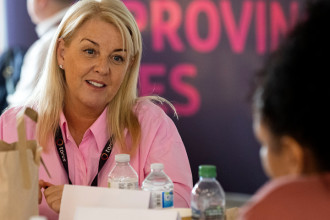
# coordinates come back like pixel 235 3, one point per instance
pixel 118 58
pixel 90 51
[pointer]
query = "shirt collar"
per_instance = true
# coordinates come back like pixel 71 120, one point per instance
pixel 50 22
pixel 63 125
pixel 99 129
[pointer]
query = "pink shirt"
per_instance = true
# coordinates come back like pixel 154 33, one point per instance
pixel 160 143
pixel 289 198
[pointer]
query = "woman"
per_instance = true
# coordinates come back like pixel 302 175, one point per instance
pixel 289 119
pixel 87 96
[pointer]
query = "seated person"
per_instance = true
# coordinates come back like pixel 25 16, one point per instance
pixel 46 15
pixel 87 94
pixel 290 119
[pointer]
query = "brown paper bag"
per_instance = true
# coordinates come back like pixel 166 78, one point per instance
pixel 19 174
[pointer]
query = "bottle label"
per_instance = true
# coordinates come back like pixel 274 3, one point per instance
pixel 211 213
pixel 161 199
pixel 123 185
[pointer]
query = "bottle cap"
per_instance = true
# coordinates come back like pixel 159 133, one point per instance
pixel 207 171
pixel 157 166
pixel 122 158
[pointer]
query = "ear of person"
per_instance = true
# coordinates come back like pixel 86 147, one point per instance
pixel 60 51
pixel 294 155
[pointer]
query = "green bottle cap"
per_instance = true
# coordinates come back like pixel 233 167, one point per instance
pixel 207 171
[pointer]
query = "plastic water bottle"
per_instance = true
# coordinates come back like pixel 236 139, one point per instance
pixel 207 196
pixel 160 186
pixel 123 176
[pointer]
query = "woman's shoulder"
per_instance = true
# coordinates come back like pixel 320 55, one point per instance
pixel 288 193
pixel 292 184
pixel 11 113
pixel 9 118
pixel 8 125
pixel 145 106
pixel 151 113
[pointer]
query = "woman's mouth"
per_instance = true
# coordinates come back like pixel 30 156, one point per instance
pixel 96 84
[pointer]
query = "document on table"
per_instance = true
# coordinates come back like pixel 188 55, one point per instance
pixel 99 213
pixel 87 196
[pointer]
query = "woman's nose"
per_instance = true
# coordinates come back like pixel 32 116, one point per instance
pixel 102 65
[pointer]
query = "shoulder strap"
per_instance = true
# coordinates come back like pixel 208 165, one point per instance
pixel 22 145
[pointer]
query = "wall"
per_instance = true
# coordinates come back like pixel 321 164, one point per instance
pixel 3 40
pixel 20 30
pixel 201 55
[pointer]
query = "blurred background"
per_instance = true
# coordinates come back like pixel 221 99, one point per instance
pixel 200 55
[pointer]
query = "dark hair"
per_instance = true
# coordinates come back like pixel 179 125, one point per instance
pixel 292 90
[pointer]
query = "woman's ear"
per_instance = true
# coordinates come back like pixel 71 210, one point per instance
pixel 294 155
pixel 60 52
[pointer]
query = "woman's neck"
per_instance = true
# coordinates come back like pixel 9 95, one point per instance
pixel 79 120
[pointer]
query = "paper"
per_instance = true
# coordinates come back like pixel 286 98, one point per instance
pixel 184 212
pixel 87 196
pixel 90 213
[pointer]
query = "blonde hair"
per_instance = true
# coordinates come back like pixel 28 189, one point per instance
pixel 49 94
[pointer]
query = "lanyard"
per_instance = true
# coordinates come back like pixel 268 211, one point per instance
pixel 60 146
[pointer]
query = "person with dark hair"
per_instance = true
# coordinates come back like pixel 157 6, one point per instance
pixel 290 121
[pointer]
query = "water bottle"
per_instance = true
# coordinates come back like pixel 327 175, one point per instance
pixel 160 186
pixel 123 176
pixel 207 196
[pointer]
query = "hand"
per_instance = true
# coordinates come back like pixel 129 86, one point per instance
pixel 53 196
pixel 45 185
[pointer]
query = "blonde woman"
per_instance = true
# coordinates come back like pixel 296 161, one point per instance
pixel 88 94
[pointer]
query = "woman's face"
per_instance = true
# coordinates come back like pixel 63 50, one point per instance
pixel 95 64
pixel 273 157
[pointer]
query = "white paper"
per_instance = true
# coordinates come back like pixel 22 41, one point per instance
pixel 90 213
pixel 87 196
